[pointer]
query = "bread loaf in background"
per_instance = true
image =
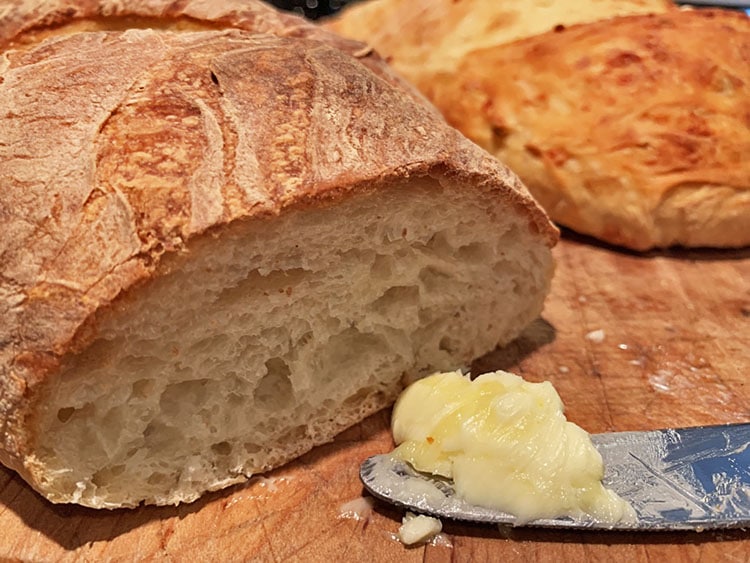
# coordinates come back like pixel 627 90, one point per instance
pixel 632 129
pixel 421 38
pixel 220 248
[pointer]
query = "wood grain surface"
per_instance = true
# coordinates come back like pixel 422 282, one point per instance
pixel 675 352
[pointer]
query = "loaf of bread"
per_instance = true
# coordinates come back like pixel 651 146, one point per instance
pixel 632 129
pixel 421 38
pixel 220 248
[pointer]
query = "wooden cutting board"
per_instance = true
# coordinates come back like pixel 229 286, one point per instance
pixel 631 342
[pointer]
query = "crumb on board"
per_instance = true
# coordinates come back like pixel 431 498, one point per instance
pixel 417 529
pixel 596 336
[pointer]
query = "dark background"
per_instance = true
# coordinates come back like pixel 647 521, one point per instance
pixel 312 9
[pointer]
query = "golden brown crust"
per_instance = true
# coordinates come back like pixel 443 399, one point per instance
pixel 25 23
pixel 423 37
pixel 634 130
pixel 28 21
pixel 118 149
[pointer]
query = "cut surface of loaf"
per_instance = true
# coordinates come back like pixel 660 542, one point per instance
pixel 633 130
pixel 221 248
pixel 277 335
pixel 422 37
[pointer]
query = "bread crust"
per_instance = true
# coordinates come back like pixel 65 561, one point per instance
pixel 120 149
pixel 633 130
pixel 24 23
pixel 423 37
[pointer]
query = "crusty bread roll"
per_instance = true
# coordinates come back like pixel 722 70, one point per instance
pixel 220 248
pixel 421 38
pixel 632 129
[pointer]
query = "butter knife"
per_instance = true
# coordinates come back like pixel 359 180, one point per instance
pixel 676 479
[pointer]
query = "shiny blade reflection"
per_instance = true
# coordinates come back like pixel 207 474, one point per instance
pixel 675 479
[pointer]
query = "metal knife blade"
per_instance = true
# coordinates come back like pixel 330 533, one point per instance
pixel 718 3
pixel 676 479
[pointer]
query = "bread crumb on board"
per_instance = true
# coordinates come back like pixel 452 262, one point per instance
pixel 418 528
pixel 596 336
pixel 359 508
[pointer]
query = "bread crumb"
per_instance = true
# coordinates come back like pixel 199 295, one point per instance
pixel 417 529
pixel 359 508
pixel 596 336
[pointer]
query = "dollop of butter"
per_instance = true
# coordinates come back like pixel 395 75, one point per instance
pixel 506 444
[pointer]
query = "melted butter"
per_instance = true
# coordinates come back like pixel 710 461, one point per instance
pixel 506 444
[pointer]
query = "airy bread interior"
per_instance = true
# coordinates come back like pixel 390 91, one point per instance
pixel 273 334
